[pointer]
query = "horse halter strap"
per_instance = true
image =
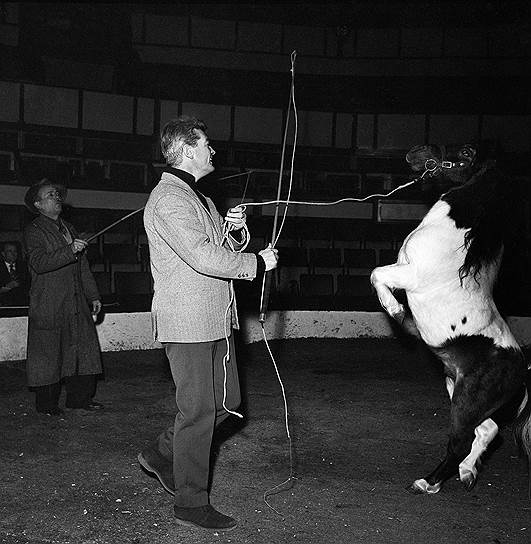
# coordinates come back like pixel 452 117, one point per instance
pixel 432 165
pixel 449 164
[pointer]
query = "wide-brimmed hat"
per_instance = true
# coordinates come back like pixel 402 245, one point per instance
pixel 32 193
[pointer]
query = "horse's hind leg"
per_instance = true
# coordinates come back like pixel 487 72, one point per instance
pixel 470 433
pixel 461 438
pixel 485 433
pixel 477 398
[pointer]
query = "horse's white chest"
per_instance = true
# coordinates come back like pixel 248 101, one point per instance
pixel 442 305
pixel 436 247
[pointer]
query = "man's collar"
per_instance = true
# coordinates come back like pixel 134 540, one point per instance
pixel 182 174
pixel 189 180
pixel 56 222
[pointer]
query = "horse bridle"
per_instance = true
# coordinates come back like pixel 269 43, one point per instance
pixel 432 165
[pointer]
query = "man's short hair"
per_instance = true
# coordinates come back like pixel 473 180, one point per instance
pixel 176 133
pixel 32 194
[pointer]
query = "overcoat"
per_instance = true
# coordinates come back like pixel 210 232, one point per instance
pixel 62 339
pixel 191 266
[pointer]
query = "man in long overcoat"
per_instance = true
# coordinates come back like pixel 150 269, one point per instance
pixel 62 344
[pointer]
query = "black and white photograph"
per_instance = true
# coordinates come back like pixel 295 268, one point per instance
pixel 265 272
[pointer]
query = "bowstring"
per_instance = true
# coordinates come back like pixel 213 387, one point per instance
pixel 283 486
pixel 295 135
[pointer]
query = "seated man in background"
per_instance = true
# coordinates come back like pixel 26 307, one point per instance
pixel 13 277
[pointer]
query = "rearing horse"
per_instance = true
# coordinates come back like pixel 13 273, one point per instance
pixel 447 267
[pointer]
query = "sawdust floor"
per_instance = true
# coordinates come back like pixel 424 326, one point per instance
pixel 366 418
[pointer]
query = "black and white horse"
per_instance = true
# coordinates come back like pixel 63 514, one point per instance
pixel 447 267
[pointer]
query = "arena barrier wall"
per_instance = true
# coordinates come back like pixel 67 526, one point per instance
pixel 131 331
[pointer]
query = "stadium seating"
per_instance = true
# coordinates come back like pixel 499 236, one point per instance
pixel 117 255
pixel 134 290
pixel 362 260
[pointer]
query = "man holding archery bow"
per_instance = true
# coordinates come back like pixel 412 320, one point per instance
pixel 193 258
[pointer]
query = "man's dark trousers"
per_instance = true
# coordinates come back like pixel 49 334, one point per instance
pixel 197 370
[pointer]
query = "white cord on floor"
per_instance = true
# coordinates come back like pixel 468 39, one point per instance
pixel 284 485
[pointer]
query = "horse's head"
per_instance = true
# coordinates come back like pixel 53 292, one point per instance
pixel 453 164
pixel 480 197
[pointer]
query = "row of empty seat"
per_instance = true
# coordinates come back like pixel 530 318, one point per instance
pixel 312 291
pixel 302 231
pixel 333 232
pixel 111 255
pixel 312 258
pixel 90 172
pixel 128 290
pixel 134 290
pixel 347 258
pixel 305 277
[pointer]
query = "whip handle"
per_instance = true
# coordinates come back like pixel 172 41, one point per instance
pixel 266 288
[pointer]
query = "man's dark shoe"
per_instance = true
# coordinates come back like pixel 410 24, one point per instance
pixel 204 517
pixel 152 461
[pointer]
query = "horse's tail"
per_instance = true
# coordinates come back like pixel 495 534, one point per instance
pixel 522 431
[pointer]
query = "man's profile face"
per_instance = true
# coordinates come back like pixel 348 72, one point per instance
pixel 10 253
pixel 49 201
pixel 203 154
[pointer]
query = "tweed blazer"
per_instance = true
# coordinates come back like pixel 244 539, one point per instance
pixel 192 270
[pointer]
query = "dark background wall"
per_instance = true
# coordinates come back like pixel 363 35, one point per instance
pixel 85 87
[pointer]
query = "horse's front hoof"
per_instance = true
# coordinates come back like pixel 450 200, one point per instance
pixel 399 315
pixel 468 480
pixel 415 490
pixel 419 487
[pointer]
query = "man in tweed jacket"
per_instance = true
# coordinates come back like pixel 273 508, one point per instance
pixel 193 314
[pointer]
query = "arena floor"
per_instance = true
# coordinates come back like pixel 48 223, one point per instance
pixel 367 417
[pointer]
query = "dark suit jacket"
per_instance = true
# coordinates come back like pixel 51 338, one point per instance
pixel 19 295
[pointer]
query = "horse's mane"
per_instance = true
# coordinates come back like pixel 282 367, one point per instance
pixel 482 205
